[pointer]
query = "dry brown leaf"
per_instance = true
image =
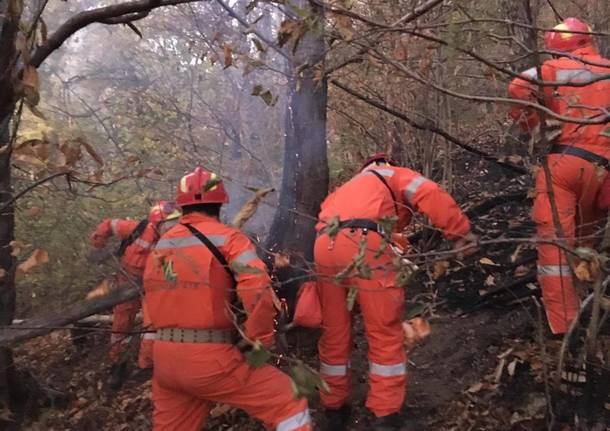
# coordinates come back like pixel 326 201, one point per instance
pixel 475 388
pixel 220 410
pixel 228 54
pixel 101 290
pixel 490 280
pixel 582 271
pixel 33 211
pixel 250 207
pixel 415 331
pixel 440 268
pixel 401 51
pixel 30 85
pixel 287 31
pixel 281 260
pixel 521 271
pixel 38 257
pixel 2 272
pixel 16 247
pixel 345 27
pixel 487 261
pixel 512 367
pixel 94 155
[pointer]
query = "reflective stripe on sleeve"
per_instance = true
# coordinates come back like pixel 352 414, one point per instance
pixel 114 225
pixel 189 241
pixel 531 73
pixel 333 370
pixel 578 75
pixel 554 270
pixel 149 336
pixel 295 422
pixel 382 172
pixel 142 243
pixel 388 370
pixel 413 187
pixel 245 257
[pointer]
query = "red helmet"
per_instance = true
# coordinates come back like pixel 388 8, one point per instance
pixel 565 41
pixel 379 157
pixel 201 187
pixel 161 211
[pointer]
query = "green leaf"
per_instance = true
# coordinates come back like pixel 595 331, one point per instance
pixel 258 356
pixel 417 310
pixel 241 268
pixel 306 381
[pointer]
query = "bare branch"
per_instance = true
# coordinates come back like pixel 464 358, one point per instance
pixel 106 13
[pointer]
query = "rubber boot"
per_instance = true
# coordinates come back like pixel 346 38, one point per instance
pixel 337 419
pixel 117 375
pixel 391 422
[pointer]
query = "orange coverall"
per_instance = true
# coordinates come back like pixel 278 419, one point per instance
pixel 187 287
pixel 132 263
pixel 576 182
pixel 380 298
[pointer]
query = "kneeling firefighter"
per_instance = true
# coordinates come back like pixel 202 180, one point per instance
pixel 189 291
pixel 380 191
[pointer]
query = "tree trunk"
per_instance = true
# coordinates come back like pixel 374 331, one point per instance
pixel 516 11
pixel 600 14
pixel 9 17
pixel 305 169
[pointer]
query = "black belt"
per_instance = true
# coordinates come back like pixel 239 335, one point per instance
pixel 360 223
pixel 579 152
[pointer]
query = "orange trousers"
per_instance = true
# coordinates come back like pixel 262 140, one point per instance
pixel 576 184
pixel 189 378
pixel 123 318
pixel 381 303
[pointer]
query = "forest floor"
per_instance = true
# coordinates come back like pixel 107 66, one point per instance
pixel 483 367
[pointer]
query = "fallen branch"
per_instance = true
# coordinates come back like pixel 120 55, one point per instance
pixel 44 325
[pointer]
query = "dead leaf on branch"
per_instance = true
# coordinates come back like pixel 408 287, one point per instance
pixel 220 410
pixel 30 85
pixel 440 268
pixel 281 260
pixel 102 289
pixel 38 257
pixel 16 247
pixel 345 27
pixel 250 207
pixel 228 55
pixel 2 272
pixel 286 31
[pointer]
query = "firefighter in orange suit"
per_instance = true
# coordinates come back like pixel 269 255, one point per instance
pixel 137 239
pixel 576 162
pixel 381 190
pixel 189 293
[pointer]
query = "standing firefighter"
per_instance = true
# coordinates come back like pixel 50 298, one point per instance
pixel 380 191
pixel 137 239
pixel 190 295
pixel 574 87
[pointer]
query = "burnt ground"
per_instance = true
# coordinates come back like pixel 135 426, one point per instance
pixel 481 369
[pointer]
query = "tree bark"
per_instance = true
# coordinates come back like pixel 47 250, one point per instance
pixel 305 170
pixel 600 13
pixel 9 18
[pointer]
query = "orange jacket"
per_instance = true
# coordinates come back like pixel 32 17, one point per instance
pixel 187 287
pixel 365 196
pixel 134 258
pixel 578 102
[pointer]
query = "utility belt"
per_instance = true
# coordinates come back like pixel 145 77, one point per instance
pixel 361 223
pixel 580 153
pixel 182 335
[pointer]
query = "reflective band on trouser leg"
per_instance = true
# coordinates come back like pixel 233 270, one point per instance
pixel 561 302
pixel 114 226
pixel 399 369
pixel 333 370
pixel 295 422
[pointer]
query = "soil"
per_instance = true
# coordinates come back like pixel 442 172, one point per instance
pixel 482 368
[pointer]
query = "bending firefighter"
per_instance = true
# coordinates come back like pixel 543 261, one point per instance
pixel 380 191
pixel 190 292
pixel 574 89
pixel 137 240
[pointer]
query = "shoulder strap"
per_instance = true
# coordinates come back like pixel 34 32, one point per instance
pixel 213 249
pixel 135 234
pixel 385 183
